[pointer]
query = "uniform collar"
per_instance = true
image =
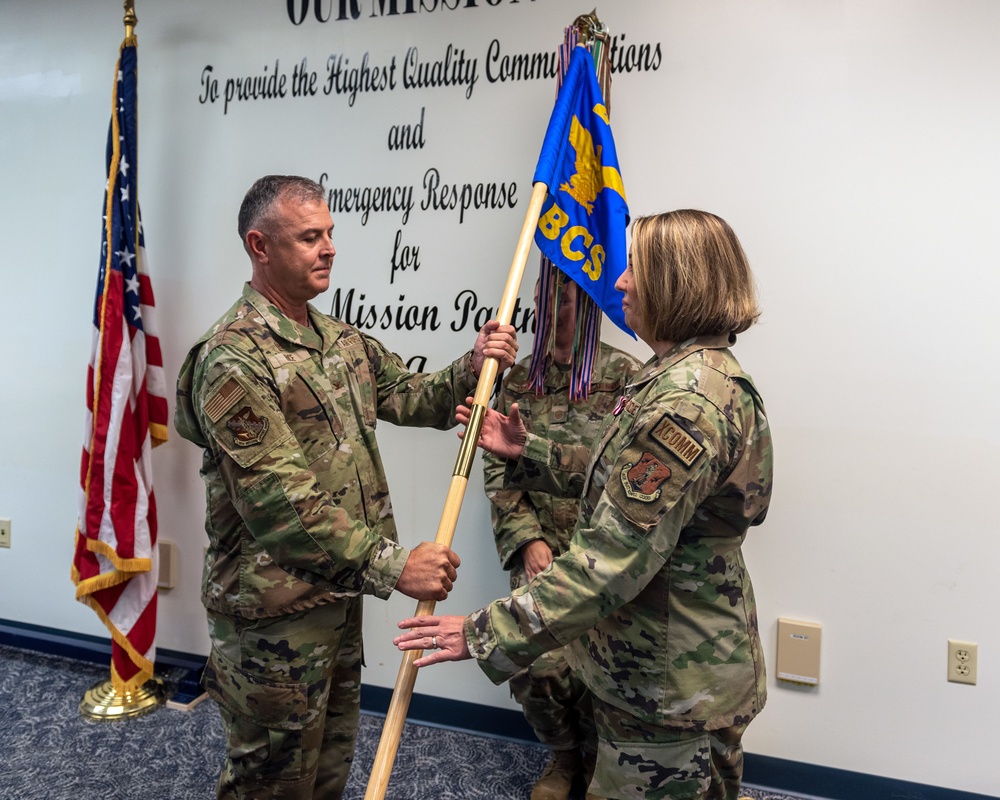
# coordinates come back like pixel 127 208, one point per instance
pixel 679 352
pixel 322 331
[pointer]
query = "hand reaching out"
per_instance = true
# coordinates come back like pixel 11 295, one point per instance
pixel 501 435
pixel 444 637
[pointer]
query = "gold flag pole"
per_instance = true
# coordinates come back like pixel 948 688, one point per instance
pixel 103 701
pixel 405 680
pixel 589 27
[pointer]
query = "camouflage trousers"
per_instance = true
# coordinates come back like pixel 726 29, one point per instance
pixel 288 689
pixel 638 760
pixel 555 703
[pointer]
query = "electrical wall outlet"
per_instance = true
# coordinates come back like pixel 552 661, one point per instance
pixel 962 658
pixel 4 533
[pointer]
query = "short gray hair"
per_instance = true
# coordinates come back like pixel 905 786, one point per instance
pixel 258 203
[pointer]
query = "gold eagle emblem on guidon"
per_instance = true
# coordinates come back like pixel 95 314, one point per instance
pixel 591 175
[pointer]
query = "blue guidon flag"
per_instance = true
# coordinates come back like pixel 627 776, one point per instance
pixel 582 226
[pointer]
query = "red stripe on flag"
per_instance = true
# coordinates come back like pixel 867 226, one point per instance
pixel 153 355
pixel 115 558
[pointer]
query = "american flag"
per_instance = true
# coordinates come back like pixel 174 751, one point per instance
pixel 115 567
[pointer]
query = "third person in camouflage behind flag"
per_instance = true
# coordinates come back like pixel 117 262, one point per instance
pixel 653 596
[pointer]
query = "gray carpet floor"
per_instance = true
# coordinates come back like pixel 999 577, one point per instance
pixel 50 752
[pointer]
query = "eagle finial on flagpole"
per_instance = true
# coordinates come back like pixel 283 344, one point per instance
pixel 588 27
pixel 130 19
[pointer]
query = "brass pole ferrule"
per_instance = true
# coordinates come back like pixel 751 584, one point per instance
pixel 467 452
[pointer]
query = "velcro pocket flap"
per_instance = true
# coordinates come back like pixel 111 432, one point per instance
pixel 265 703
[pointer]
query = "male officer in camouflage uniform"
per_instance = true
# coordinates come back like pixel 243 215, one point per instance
pixel 531 528
pixel 284 401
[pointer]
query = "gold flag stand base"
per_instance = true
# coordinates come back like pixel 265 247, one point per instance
pixel 102 702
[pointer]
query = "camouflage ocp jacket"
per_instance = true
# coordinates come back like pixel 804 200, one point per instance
pixel 520 517
pixel 298 509
pixel 653 592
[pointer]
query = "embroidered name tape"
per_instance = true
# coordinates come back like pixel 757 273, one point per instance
pixel 293 357
pixel 677 441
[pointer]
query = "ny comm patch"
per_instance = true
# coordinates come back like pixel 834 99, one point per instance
pixel 643 479
pixel 248 429
pixel 678 441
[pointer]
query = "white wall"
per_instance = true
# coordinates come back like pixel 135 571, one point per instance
pixel 851 144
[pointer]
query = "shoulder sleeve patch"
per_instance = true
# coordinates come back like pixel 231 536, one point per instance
pixel 224 398
pixel 642 480
pixel 247 428
pixel 677 441
pixel 242 417
pixel 642 486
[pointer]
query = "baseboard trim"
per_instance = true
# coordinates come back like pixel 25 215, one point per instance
pixel 81 646
pixel 439 712
pixel 795 777
pixel 775 774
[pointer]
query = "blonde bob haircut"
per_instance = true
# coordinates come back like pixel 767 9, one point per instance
pixel 691 276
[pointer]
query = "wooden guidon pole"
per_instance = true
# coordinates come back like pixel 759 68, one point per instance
pixel 385 756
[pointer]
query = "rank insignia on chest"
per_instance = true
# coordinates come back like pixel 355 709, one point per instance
pixel 248 429
pixel 643 479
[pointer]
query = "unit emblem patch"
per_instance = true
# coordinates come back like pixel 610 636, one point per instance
pixel 248 429
pixel 643 479
pixel 678 441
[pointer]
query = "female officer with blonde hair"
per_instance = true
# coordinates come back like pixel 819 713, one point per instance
pixel 653 595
